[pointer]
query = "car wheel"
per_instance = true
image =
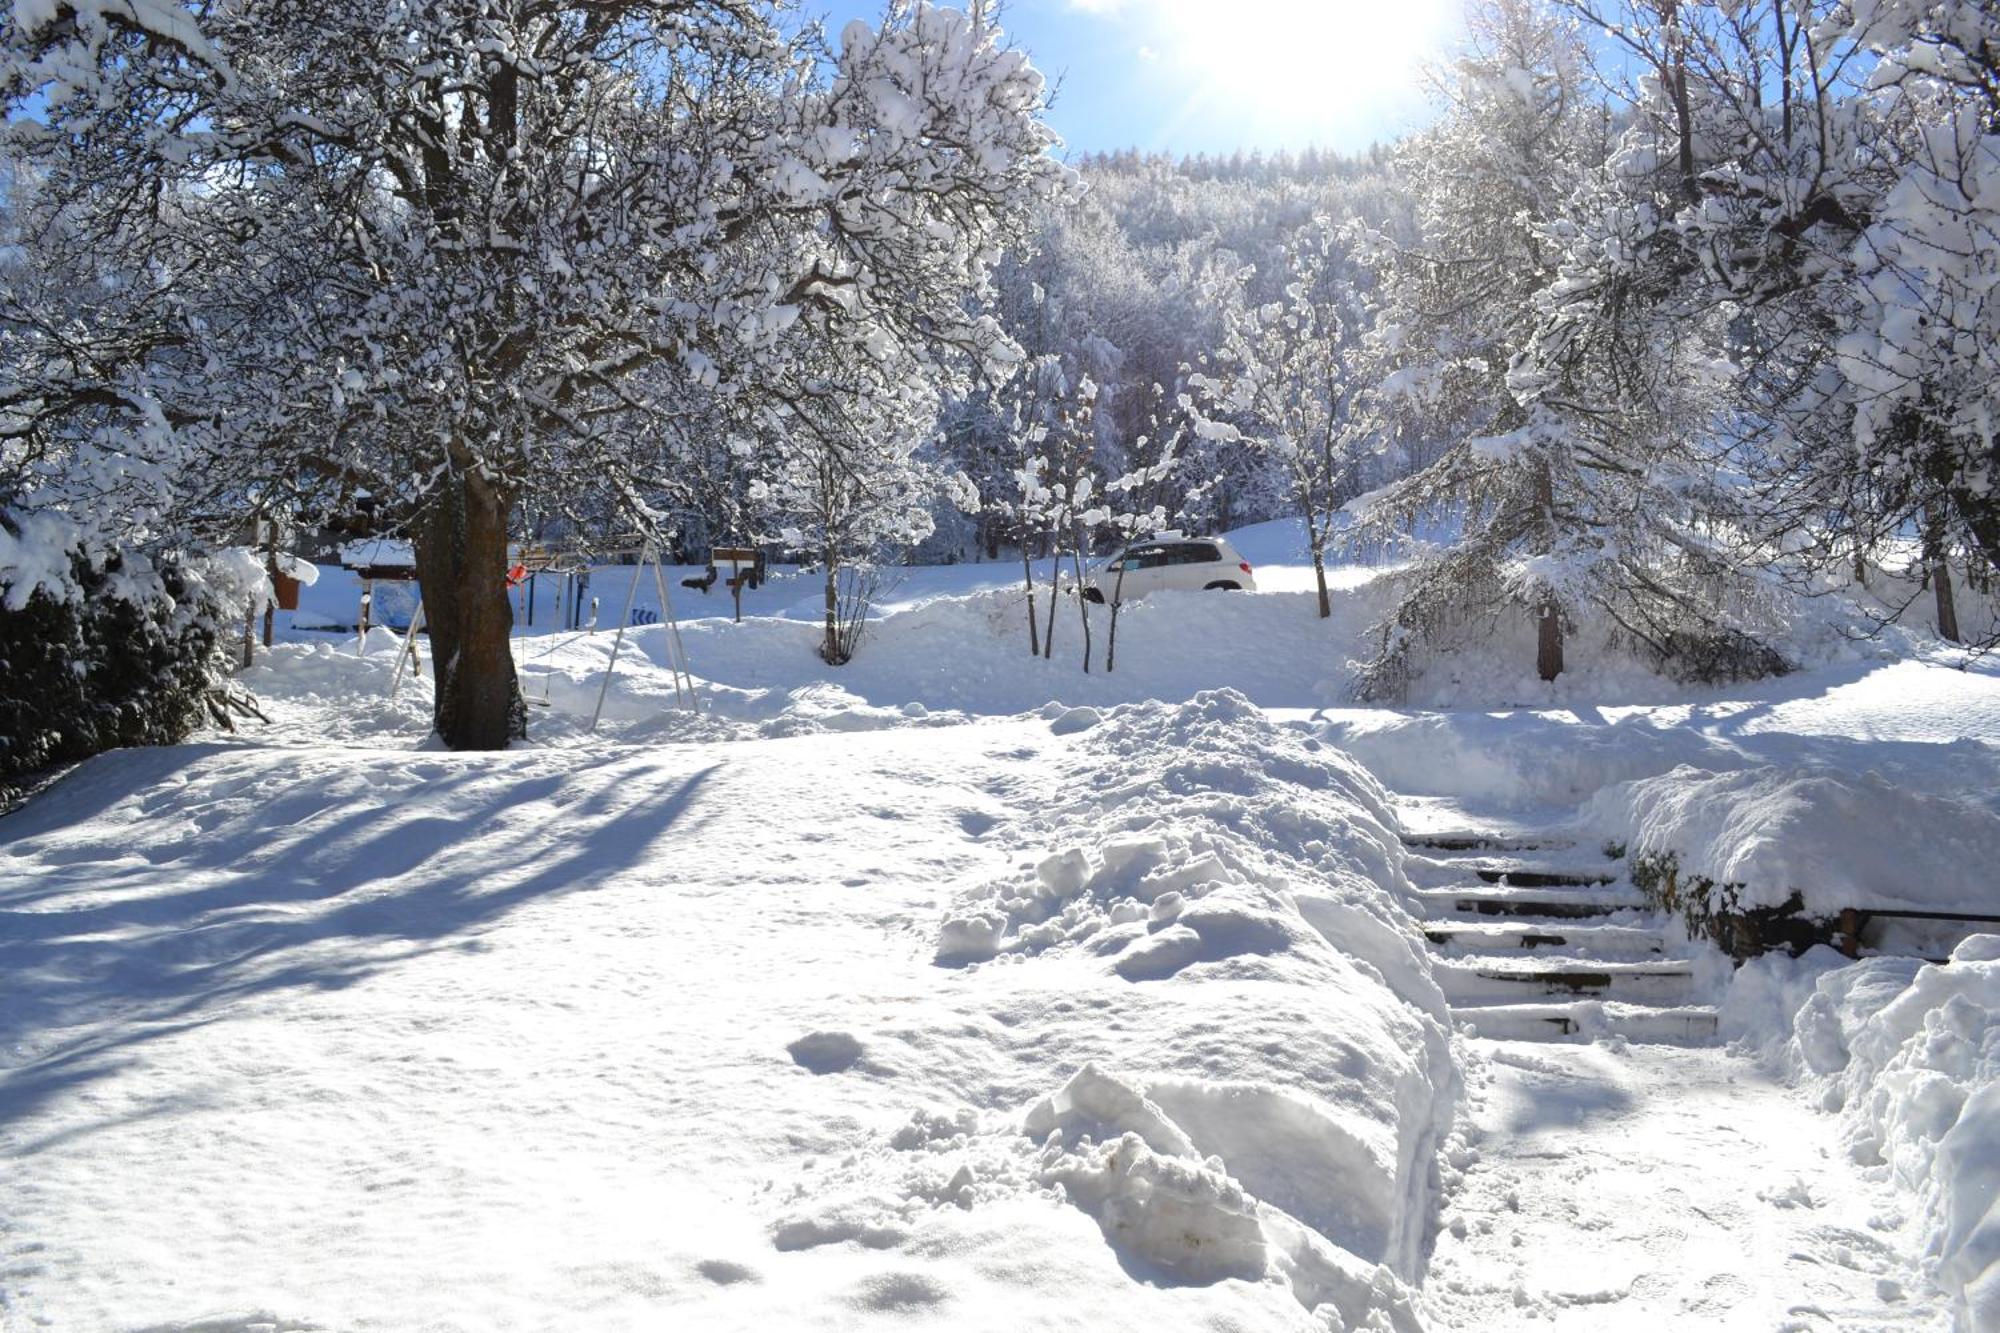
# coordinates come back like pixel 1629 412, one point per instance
pixel 1223 586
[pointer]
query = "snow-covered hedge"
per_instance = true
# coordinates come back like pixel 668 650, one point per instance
pixel 113 649
pixel 1833 839
pixel 1855 801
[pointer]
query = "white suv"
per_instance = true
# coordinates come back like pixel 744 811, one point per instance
pixel 1171 560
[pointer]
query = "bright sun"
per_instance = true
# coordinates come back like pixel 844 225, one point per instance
pixel 1299 70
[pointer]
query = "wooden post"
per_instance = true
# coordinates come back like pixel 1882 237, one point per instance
pixel 1850 932
pixel 735 555
pixel 367 607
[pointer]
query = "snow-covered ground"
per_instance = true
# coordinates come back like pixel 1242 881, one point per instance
pixel 362 1037
pixel 1614 1186
pixel 955 987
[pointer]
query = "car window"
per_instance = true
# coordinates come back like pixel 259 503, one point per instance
pixel 1145 557
pixel 1196 553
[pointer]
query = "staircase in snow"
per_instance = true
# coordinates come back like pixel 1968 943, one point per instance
pixel 1537 939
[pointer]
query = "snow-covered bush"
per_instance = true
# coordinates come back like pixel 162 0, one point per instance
pixel 1814 834
pixel 646 209
pixel 122 650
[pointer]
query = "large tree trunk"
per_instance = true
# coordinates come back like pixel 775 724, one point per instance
pixel 1938 571
pixel 461 543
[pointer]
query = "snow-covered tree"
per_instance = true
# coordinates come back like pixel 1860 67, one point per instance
pixel 1491 179
pixel 113 616
pixel 1298 378
pixel 449 252
pixel 1548 322
pixel 841 477
pixel 1054 497
pixel 1137 502
pixel 1824 177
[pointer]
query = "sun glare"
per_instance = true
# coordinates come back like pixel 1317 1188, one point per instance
pixel 1298 71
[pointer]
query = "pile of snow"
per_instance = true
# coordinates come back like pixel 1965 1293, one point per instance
pixel 1276 1115
pixel 1836 839
pixel 1908 1054
pixel 1925 724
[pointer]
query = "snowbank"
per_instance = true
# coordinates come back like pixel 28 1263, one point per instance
pixel 1837 840
pixel 1240 880
pixel 1908 1054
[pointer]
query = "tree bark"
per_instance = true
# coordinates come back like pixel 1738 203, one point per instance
pixel 1028 576
pixel 1549 648
pixel 1549 630
pixel 829 651
pixel 461 545
pixel 1055 586
pixel 1117 599
pixel 1319 573
pixel 1082 603
pixel 1947 606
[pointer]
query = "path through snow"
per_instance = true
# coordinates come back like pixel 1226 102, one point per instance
pixel 1632 1187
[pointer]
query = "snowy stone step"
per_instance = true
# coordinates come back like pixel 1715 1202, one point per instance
pixel 1585 1019
pixel 1441 817
pixel 1511 900
pixel 1497 937
pixel 1482 840
pixel 1486 981
pixel 1537 872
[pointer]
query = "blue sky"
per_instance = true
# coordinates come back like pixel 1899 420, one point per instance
pixel 1214 76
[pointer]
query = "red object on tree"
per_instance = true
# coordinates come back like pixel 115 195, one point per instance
pixel 516 575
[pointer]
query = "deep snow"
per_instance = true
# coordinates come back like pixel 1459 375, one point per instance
pixel 388 1038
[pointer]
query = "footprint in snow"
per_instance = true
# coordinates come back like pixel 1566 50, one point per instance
pixel 826 1052
pixel 723 1273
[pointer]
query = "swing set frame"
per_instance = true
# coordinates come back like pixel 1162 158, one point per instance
pixel 685 695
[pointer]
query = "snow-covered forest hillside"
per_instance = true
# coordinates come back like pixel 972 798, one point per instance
pixel 660 667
